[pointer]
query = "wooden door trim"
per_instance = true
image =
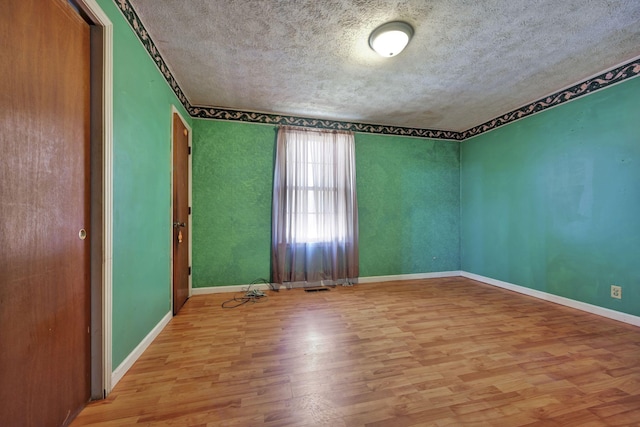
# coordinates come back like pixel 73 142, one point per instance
pixel 174 110
pixel 102 283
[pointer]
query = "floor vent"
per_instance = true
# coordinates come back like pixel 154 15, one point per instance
pixel 316 289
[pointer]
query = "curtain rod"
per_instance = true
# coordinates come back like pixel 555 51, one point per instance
pixel 308 129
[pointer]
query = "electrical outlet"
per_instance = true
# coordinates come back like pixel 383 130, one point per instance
pixel 616 291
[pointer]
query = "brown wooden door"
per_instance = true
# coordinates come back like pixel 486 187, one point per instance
pixel 44 205
pixel 180 213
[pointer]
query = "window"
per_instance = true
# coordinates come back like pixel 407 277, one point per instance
pixel 314 209
pixel 314 205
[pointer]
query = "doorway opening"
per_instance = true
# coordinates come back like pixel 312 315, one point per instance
pixel 101 190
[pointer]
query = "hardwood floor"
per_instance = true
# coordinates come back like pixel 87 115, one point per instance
pixel 439 352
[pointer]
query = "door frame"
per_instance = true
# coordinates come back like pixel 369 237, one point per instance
pixel 174 110
pixel 101 197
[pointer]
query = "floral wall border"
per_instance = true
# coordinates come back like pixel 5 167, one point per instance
pixel 138 28
pixel 603 80
pixel 276 119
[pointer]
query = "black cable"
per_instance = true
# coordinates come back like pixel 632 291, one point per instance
pixel 241 301
pixel 252 296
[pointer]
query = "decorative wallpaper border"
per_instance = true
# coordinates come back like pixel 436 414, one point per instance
pixel 607 78
pixel 275 119
pixel 136 25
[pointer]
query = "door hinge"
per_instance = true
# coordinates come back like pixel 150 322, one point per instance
pixel 189 210
pixel 189 147
pixel 189 271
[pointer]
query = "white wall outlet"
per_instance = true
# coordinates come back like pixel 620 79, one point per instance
pixel 616 291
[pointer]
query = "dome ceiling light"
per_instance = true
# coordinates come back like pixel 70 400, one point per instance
pixel 391 38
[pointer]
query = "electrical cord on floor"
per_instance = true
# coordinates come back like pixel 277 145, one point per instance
pixel 250 296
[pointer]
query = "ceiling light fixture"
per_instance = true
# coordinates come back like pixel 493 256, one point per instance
pixel 391 38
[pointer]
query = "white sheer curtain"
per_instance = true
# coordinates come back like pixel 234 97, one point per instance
pixel 315 212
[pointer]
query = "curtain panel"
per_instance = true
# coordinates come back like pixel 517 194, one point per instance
pixel 315 210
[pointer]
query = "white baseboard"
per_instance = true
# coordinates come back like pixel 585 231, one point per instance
pixel 373 279
pixel 416 276
pixel 589 308
pixel 227 289
pixel 128 362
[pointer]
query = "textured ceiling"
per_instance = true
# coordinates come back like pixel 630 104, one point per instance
pixel 468 62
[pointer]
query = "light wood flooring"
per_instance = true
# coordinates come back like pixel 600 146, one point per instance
pixel 439 352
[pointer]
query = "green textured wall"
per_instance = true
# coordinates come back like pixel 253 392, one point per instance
pixel 408 205
pixel 232 187
pixel 552 202
pixel 141 168
pixel 408 200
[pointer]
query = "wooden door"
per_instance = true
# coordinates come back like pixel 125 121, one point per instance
pixel 181 212
pixel 44 206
